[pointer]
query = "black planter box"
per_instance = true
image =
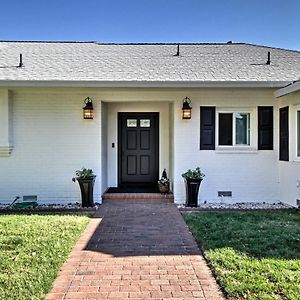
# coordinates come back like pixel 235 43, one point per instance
pixel 192 189
pixel 86 188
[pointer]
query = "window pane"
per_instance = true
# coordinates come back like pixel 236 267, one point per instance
pixel 145 123
pixel 225 129
pixel 242 128
pixel 298 130
pixel 131 123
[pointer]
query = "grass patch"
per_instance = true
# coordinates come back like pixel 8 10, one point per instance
pixel 255 255
pixel 32 249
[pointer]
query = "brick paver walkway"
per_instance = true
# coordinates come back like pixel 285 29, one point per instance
pixel 136 251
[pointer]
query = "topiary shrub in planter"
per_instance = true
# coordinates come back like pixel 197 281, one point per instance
pixel 192 179
pixel 86 180
pixel 164 183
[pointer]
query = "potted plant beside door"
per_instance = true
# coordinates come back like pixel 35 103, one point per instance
pixel 86 180
pixel 164 183
pixel 192 179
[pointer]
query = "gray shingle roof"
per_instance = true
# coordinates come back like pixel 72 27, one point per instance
pixel 90 61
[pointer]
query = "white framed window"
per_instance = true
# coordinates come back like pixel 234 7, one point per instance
pixel 234 128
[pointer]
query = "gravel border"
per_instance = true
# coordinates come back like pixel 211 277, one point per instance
pixel 76 208
pixel 242 206
pixel 49 208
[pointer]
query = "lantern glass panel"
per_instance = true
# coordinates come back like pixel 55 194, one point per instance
pixel 88 114
pixel 186 113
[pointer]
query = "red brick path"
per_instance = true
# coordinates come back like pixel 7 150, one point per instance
pixel 136 251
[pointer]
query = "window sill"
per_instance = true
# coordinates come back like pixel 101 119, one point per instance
pixel 236 150
pixel 297 160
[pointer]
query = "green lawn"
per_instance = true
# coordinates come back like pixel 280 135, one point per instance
pixel 255 255
pixel 32 249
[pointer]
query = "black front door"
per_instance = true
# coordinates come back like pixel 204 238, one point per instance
pixel 138 148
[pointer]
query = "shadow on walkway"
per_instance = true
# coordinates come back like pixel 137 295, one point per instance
pixel 136 251
pixel 141 229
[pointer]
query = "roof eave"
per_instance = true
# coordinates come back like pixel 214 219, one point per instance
pixel 143 84
pixel 291 88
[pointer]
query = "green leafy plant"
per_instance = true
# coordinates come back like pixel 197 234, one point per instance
pixel 193 174
pixel 164 180
pixel 83 173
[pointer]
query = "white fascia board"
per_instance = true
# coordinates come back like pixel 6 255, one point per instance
pixel 294 87
pixel 143 84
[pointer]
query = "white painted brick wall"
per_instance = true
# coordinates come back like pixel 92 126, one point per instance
pixel 51 141
pixel 251 177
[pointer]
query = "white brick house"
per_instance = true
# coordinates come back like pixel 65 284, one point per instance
pixel 244 132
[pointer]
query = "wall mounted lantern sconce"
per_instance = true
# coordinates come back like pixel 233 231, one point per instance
pixel 186 108
pixel 88 109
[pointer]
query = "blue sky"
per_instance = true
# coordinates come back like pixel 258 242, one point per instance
pixel 268 22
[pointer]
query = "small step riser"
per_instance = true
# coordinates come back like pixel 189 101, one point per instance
pixel 138 197
pixel 138 200
pixel 134 197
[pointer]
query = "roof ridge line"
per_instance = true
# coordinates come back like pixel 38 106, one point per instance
pixel 46 42
pixel 125 43
pixel 171 43
pixel 270 47
pixel 146 44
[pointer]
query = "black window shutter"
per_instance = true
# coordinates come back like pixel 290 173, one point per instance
pixel 265 127
pixel 284 133
pixel 207 127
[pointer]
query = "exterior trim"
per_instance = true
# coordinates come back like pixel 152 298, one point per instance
pixel 292 87
pixel 143 84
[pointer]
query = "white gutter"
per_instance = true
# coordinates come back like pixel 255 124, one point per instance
pixel 143 84
pixel 293 87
